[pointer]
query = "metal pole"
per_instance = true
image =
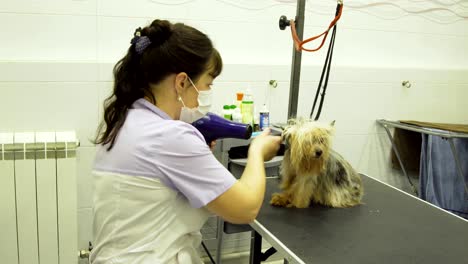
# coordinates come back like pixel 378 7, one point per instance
pixel 296 62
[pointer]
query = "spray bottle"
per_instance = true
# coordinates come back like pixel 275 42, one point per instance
pixel 264 118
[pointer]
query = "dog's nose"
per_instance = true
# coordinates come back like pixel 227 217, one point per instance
pixel 318 153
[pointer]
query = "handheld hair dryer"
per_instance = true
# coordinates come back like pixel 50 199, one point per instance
pixel 213 127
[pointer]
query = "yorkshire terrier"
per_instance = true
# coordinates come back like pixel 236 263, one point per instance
pixel 312 172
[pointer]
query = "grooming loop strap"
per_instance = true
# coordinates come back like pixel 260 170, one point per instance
pixel 299 44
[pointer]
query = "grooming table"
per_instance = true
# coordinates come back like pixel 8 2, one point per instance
pixel 390 227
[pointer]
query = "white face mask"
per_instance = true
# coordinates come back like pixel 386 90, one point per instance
pixel 189 115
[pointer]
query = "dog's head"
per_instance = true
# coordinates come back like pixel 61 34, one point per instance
pixel 309 143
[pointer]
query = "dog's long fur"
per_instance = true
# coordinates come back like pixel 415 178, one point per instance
pixel 312 171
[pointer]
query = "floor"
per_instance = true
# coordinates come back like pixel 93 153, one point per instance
pixel 243 258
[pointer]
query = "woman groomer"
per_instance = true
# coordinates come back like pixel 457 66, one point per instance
pixel 156 181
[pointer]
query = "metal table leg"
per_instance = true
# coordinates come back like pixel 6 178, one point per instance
pixel 255 248
pixel 219 237
pixel 399 158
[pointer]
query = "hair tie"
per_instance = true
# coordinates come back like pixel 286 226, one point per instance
pixel 140 42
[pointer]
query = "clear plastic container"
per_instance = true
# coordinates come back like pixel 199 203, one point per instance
pixel 237 115
pixel 248 108
pixel 227 112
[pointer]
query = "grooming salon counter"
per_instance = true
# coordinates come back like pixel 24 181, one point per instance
pixel 389 227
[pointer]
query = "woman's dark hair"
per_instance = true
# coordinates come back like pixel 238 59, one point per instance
pixel 173 48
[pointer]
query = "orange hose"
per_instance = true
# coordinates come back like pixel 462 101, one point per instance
pixel 299 44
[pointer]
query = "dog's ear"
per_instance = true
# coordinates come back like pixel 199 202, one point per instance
pixel 331 128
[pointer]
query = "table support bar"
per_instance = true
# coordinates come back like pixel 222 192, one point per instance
pixel 397 154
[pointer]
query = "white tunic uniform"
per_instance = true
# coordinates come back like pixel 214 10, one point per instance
pixel 151 189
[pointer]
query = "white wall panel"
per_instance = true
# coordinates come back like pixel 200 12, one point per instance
pixel 142 8
pixel 85 187
pixel 75 7
pixel 21 71
pixel 368 20
pixel 318 13
pixel 114 35
pixel 45 106
pixel 33 37
pixel 355 47
pixel 248 33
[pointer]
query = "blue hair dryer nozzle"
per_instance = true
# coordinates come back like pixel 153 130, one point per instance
pixel 213 127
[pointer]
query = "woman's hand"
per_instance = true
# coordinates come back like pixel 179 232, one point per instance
pixel 266 145
pixel 212 145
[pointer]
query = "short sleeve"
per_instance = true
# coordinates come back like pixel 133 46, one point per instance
pixel 186 161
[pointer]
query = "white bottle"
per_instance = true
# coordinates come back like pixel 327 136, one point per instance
pixel 264 118
pixel 236 115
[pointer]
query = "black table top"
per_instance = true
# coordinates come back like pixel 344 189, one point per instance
pixel 390 227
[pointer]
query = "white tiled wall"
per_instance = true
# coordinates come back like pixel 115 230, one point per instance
pixel 56 60
pixel 46 105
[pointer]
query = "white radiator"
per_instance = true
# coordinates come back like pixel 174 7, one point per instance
pixel 38 208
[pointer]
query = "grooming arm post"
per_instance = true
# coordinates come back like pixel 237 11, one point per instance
pixel 296 62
